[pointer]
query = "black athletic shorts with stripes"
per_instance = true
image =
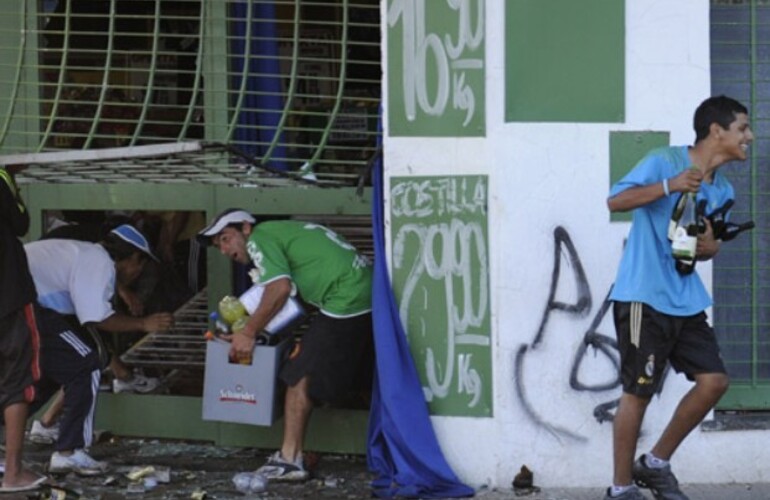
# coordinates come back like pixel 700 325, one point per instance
pixel 648 339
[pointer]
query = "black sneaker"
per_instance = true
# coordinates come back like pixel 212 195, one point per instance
pixel 661 482
pixel 632 493
pixel 279 469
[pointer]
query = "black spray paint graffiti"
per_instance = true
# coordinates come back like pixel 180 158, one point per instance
pixel 603 344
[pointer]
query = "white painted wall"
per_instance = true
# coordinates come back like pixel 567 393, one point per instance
pixel 542 176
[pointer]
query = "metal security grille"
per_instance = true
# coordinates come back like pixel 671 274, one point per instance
pixel 179 354
pixel 740 55
pixel 293 84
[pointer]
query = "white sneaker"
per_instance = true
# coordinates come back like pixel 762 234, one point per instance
pixel 43 435
pixel 278 468
pixel 79 462
pixel 137 383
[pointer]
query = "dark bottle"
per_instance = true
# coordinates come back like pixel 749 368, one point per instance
pixel 718 218
pixel 685 237
pixel 676 214
pixel 731 230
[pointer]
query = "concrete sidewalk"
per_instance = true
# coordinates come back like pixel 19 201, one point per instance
pixel 204 470
pixel 694 491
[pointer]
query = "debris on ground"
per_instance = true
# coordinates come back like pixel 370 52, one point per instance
pixel 523 482
pixel 155 469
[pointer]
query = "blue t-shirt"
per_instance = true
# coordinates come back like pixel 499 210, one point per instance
pixel 647 273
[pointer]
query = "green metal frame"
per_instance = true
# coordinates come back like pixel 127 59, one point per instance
pixel 341 431
pixel 178 417
pixel 27 129
pixel 74 95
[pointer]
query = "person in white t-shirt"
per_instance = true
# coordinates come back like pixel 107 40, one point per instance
pixel 76 281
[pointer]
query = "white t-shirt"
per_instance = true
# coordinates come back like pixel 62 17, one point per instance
pixel 73 277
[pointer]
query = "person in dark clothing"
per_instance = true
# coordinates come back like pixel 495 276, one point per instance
pixel 19 367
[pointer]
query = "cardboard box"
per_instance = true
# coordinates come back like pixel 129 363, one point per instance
pixel 246 394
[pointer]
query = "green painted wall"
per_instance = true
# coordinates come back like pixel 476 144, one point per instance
pixel 179 417
pixel 626 149
pixel 565 60
pixel 441 280
pixel 436 71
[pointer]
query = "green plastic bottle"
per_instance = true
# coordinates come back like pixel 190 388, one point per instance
pixel 239 324
pixel 231 309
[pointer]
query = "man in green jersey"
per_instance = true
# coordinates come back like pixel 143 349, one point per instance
pixel 291 257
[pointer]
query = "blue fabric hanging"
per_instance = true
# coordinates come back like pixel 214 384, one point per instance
pixel 402 447
pixel 262 105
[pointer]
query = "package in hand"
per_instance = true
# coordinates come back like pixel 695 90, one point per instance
pixel 291 312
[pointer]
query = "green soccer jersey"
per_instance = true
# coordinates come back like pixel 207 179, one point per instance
pixel 327 270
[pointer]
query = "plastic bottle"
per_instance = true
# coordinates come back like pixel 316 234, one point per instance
pixel 235 316
pixel 241 481
pixel 234 313
pixel 239 324
pixel 219 325
pixel 230 309
pixel 258 483
pixel 250 482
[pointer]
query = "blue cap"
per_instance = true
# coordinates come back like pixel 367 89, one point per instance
pixel 129 234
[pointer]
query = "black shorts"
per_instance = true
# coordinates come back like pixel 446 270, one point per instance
pixel 19 357
pixel 336 356
pixel 648 339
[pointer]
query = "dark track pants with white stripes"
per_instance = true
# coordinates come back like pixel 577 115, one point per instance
pixel 69 362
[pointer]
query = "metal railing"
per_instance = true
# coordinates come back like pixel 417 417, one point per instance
pixel 294 85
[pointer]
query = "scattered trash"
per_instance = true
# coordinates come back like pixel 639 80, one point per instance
pixel 198 495
pixel 150 482
pixel 524 479
pixel 241 481
pixel 171 449
pixel 523 482
pixel 250 482
pixel 162 474
pixel 146 478
pixel 109 481
pixel 138 473
pixel 57 493
pixel 332 482
pixel 135 489
pixel 182 468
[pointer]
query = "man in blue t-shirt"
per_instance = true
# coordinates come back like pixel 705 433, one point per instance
pixel 658 310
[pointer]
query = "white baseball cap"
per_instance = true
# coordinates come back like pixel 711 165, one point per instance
pixel 221 221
